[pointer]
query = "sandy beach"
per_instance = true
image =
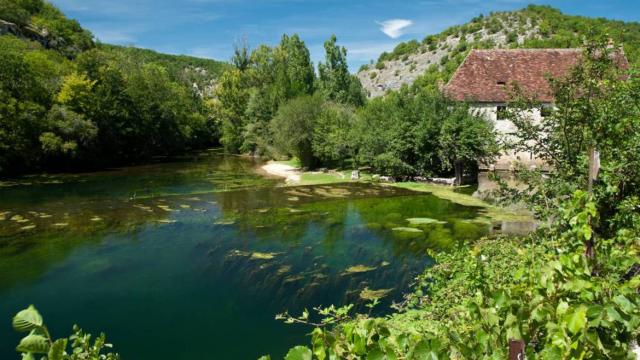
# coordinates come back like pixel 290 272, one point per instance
pixel 291 174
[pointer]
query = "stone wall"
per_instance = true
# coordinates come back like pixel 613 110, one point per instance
pixel 506 133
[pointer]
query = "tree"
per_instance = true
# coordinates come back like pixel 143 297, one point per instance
pixel 293 60
pixel 241 55
pixel 274 76
pixel 596 108
pixel 69 133
pixel 465 140
pixel 293 127
pixel 398 134
pixel 232 99
pixel 76 92
pixel 335 81
pixel 333 142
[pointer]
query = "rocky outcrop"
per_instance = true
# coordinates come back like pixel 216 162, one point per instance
pixel 42 36
pixel 9 28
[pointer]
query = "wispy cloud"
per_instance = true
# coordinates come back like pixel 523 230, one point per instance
pixel 394 28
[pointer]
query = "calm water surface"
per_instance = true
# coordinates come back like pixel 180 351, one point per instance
pixel 193 259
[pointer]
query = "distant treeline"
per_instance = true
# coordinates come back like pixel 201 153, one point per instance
pixel 67 103
pixel 272 104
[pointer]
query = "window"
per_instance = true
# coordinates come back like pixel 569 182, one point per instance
pixel 501 112
pixel 502 83
pixel 545 110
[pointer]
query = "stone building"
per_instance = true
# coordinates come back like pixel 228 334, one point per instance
pixel 486 78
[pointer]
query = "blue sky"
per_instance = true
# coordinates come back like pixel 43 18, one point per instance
pixel 209 28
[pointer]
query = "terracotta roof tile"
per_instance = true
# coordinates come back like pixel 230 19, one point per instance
pixel 488 75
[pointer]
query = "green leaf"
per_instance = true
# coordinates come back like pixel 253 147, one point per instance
pixel 56 351
pixel 576 320
pixel 28 356
pixel 625 305
pixel 27 319
pixel 33 343
pixel 423 351
pixel 376 354
pixel 500 298
pixel 264 357
pixel 613 314
pixel 562 308
pixel 298 353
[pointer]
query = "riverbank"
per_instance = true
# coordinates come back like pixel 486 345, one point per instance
pixel 294 176
pixel 290 173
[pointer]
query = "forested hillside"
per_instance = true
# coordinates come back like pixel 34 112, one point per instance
pixel 436 57
pixel 69 103
pixel 85 105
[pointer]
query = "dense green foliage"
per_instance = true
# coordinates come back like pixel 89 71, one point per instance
pixel 249 96
pixel 570 290
pixel 403 135
pixel 335 81
pixel 271 104
pixel 39 341
pixel 180 67
pixel 419 132
pixel 96 105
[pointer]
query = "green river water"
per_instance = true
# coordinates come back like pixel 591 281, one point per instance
pixel 192 259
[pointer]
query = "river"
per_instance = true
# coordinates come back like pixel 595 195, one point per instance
pixel 192 259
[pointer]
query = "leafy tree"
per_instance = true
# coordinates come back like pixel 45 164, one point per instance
pixel 465 140
pixel 275 75
pixel 241 55
pixel 68 131
pixel 75 105
pixel 261 108
pixel 293 126
pixel 76 92
pixel 402 134
pixel 333 142
pixel 232 99
pixel 293 59
pixel 335 81
pixel 13 11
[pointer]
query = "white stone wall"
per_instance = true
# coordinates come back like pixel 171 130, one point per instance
pixel 506 131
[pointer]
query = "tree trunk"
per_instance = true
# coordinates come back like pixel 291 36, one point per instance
pixel 458 166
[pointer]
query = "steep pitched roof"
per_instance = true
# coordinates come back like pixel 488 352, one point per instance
pixel 489 75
